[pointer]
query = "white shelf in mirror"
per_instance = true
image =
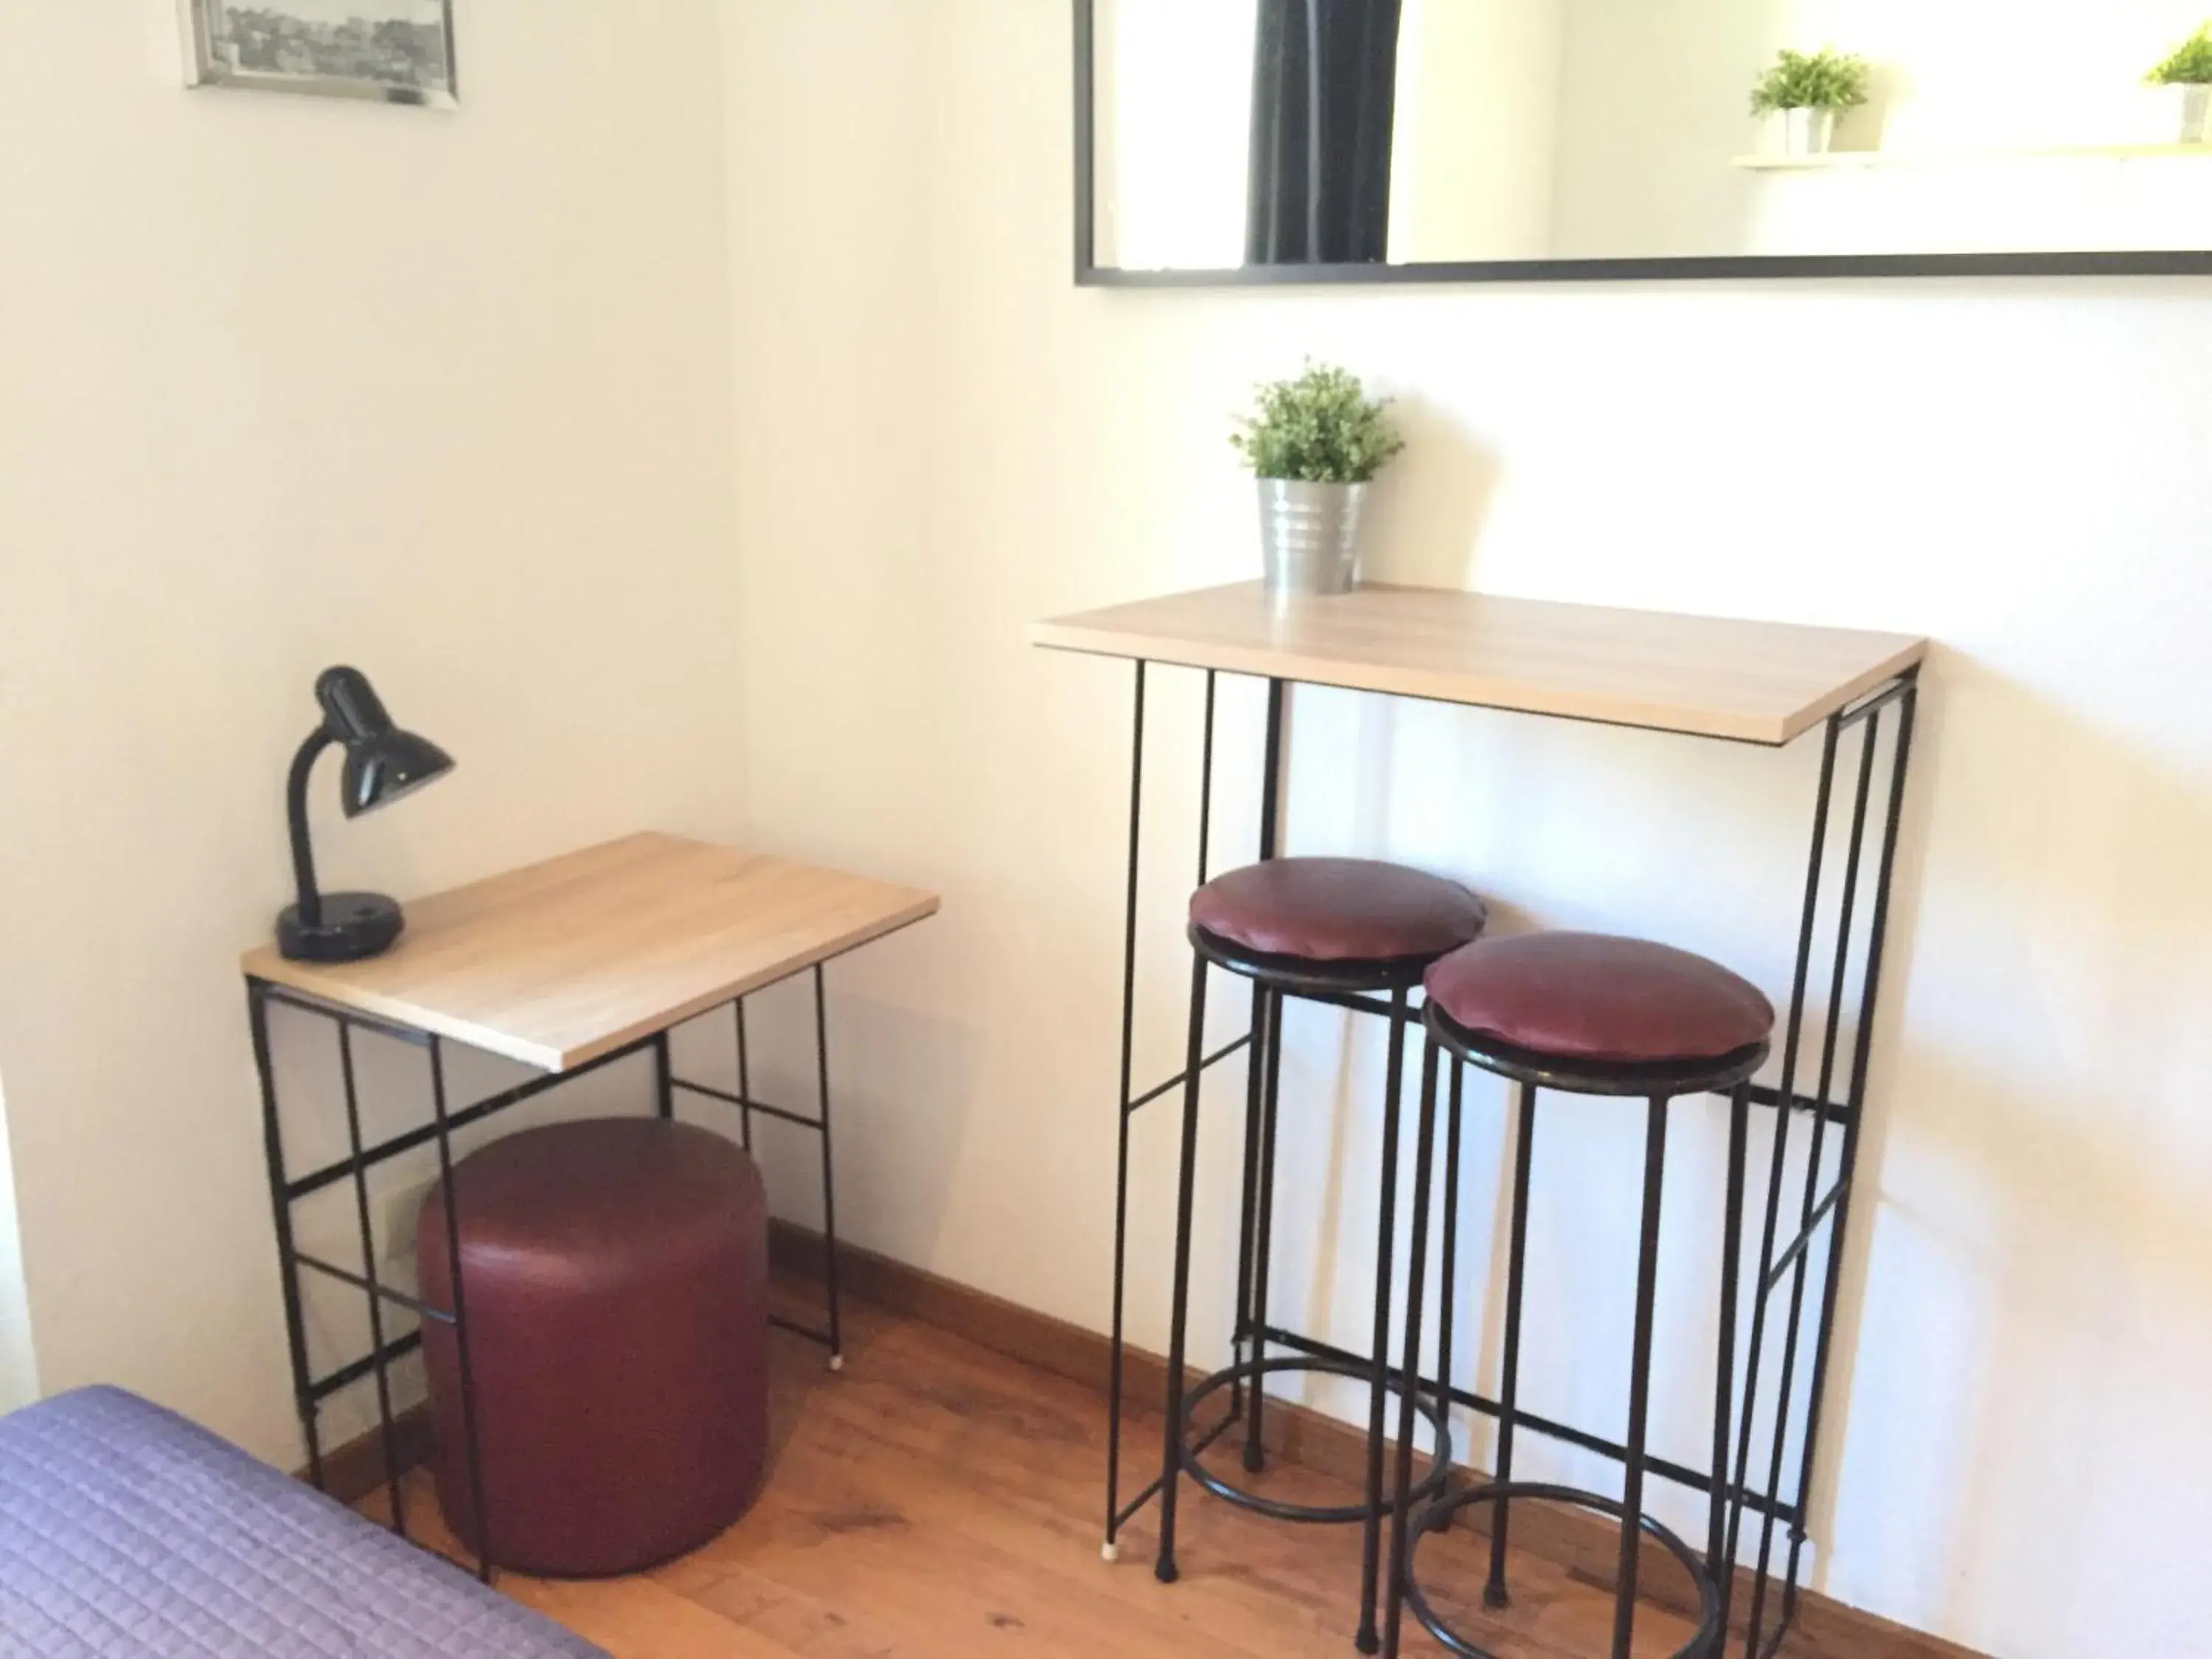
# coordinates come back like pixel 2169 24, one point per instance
pixel 1837 159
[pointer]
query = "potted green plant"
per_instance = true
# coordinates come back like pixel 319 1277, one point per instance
pixel 1809 90
pixel 1315 443
pixel 2189 67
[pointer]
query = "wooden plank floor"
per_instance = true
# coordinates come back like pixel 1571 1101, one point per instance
pixel 937 1499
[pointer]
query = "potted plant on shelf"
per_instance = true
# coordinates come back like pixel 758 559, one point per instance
pixel 1809 90
pixel 2190 67
pixel 1314 443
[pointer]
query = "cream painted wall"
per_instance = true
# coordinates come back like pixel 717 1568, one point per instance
pixel 483 364
pixel 290 381
pixel 2019 1458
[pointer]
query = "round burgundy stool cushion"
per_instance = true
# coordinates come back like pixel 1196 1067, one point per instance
pixel 1598 998
pixel 1320 909
pixel 616 1273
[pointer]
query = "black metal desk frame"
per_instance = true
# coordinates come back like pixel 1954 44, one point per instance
pixel 1837 1100
pixel 286 1190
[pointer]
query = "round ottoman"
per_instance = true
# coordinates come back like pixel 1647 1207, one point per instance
pixel 616 1278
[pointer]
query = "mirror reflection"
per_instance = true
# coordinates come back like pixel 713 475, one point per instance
pixel 1233 133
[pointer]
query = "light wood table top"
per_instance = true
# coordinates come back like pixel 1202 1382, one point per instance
pixel 1710 676
pixel 562 961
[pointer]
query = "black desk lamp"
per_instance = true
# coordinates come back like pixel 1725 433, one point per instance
pixel 382 764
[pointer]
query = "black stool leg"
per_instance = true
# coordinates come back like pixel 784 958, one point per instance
pixel 1263 1232
pixel 1716 1562
pixel 1401 1501
pixel 1448 1276
pixel 1639 1381
pixel 1249 1197
pixel 1179 1314
pixel 1379 1376
pixel 1524 1142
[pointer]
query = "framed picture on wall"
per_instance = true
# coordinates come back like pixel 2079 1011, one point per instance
pixel 398 51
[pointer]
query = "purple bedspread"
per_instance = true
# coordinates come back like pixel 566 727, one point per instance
pixel 125 1530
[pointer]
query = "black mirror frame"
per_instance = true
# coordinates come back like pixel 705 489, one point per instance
pixel 2175 262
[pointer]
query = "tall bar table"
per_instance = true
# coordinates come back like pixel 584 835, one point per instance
pixel 1767 684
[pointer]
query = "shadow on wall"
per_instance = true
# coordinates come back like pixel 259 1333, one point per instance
pixel 901 1083
pixel 1430 506
pixel 2038 1149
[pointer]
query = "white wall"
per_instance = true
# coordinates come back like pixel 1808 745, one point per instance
pixel 291 381
pixel 2018 1457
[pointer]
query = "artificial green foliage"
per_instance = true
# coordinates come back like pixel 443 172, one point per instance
pixel 2191 66
pixel 1320 429
pixel 1811 80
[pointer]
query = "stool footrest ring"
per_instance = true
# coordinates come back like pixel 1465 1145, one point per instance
pixel 1706 1643
pixel 1317 1514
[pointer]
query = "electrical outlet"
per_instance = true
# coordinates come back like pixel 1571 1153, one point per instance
pixel 395 1230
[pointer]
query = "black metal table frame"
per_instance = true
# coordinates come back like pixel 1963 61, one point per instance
pixel 309 1390
pixel 1818 1209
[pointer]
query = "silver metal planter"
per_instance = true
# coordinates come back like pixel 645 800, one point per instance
pixel 1310 535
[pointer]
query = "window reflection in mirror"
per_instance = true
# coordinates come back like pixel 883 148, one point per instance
pixel 1233 133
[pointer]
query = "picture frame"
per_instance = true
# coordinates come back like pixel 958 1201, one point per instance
pixel 392 51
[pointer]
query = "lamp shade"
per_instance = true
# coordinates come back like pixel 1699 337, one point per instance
pixel 382 762
pixel 380 771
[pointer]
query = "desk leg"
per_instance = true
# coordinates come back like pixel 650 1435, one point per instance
pixel 664 1087
pixel 744 1079
pixel 1792 1033
pixel 1791 1260
pixel 1110 1550
pixel 829 1175
pixel 288 1264
pixel 1869 988
pixel 1252 1235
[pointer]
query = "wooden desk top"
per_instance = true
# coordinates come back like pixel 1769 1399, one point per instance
pixel 559 962
pixel 1708 676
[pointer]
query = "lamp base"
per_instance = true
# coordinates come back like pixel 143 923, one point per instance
pixel 352 925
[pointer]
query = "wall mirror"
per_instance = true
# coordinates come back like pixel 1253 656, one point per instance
pixel 1258 141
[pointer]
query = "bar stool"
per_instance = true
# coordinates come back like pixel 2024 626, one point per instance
pixel 1585 1013
pixel 1325 928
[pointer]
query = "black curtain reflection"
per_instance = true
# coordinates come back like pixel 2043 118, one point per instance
pixel 1322 108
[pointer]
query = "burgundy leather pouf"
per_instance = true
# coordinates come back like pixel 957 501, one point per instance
pixel 616 1278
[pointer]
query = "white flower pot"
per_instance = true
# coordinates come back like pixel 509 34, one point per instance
pixel 2195 114
pixel 1808 131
